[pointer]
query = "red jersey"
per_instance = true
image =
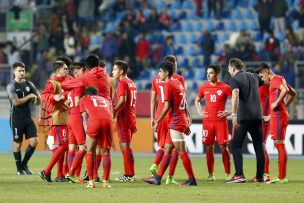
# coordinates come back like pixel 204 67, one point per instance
pixel 96 77
pixel 158 86
pixel 96 107
pixel 127 114
pixel 215 98
pixel 175 95
pixel 264 99
pixel 77 92
pixel 274 92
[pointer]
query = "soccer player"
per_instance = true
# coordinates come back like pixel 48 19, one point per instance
pixel 279 117
pixel 126 116
pixel 76 131
pixel 215 124
pixel 21 93
pixel 58 112
pixel 179 121
pixel 97 116
pixel 157 94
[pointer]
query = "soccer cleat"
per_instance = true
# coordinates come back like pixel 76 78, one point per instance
pixel 237 179
pixel 80 180
pixel 106 184
pixel 97 180
pixel 211 177
pixel 45 177
pixel 170 180
pixel 278 180
pixel 85 176
pixel 257 180
pixel 153 169
pixel 27 170
pixel 20 172
pixel 227 177
pixel 91 184
pixel 73 179
pixel 154 180
pixel 61 180
pixel 267 177
pixel 126 178
pixel 189 182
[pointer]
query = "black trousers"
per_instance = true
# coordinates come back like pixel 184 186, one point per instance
pixel 254 127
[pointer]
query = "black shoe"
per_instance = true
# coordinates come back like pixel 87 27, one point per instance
pixel 61 180
pixel 154 180
pixel 85 176
pixel 20 172
pixel 97 180
pixel 190 182
pixel 27 170
pixel 44 177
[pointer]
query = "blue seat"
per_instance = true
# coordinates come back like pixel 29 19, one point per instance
pixel 176 26
pixel 220 26
pixel 241 26
pixel 230 26
pixel 181 39
pixel 187 5
pixel 198 26
pixel 280 36
pixel 192 39
pixel 179 50
pixel 223 38
pixel 159 5
pixel 184 62
pixel 209 26
pixel 172 14
pixel 236 15
pixel 182 15
pixel 253 25
pixel 176 5
pixel 190 51
pixel 187 27
pixel 196 62
pixel 248 14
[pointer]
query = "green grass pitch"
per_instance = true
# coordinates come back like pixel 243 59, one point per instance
pixel 32 189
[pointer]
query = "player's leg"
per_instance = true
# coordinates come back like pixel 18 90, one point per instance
pixel 265 131
pixel 17 132
pixel 31 136
pixel 226 160
pixel 210 162
pixel 178 140
pixel 98 158
pixel 208 141
pixel 91 147
pixel 106 164
pixel 221 132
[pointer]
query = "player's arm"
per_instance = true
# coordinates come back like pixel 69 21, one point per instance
pixel 14 97
pixel 284 90
pixel 36 92
pixel 153 107
pixel 188 114
pixel 164 112
pixel 121 101
pixel 199 109
pixel 85 120
pixel 291 95
pixel 234 106
pixel 72 83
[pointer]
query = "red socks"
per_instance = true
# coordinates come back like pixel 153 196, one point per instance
pixel 90 165
pixel 164 165
pixel 226 160
pixel 266 167
pixel 210 161
pixel 58 155
pixel 128 162
pixel 107 164
pixel 77 162
pixel 159 156
pixel 187 164
pixel 282 160
pixel 71 155
pixel 173 162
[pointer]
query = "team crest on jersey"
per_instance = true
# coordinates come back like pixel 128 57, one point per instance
pixel 27 88
pixel 219 92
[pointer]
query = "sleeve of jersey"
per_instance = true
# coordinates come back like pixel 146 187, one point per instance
pixel 48 93
pixel 233 84
pixel 277 83
pixel 182 80
pixel 11 91
pixel 201 92
pixel 69 84
pixel 121 89
pixel 33 88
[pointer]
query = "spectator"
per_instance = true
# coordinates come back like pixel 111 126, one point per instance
pixel 211 7
pixel 168 48
pixel 12 53
pixel 69 45
pixel 126 47
pixel 273 46
pixel 143 52
pixel 264 15
pixel 85 12
pixel 207 45
pixel 165 20
pixel 56 39
pixel 291 37
pixel 263 54
pixel 109 47
pixel 198 7
pixel 153 20
pixel 279 12
pixel 289 57
pixel 4 71
pixel 42 39
pixel 70 12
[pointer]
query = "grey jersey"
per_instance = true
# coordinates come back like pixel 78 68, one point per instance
pixel 249 99
pixel 17 90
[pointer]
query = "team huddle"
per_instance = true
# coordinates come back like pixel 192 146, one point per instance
pixel 82 109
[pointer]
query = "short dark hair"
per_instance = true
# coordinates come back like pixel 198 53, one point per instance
pixel 67 60
pixel 18 64
pixel 263 66
pixel 90 91
pixel 215 67
pixel 252 70
pixel 122 65
pixel 77 65
pixel 58 64
pixel 167 66
pixel 171 59
pixel 236 63
pixel 92 61
pixel 102 63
